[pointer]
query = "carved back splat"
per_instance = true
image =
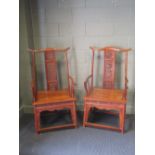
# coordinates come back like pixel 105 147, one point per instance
pixel 111 100
pixel 110 66
pixel 51 70
pixel 53 99
pixel 109 69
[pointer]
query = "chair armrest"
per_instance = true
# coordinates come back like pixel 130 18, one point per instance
pixel 71 86
pixel 87 86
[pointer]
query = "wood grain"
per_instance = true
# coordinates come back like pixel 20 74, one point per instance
pixel 107 97
pixel 52 99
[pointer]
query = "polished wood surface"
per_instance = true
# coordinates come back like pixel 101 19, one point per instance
pixel 52 99
pixel 45 97
pixel 51 70
pixel 49 50
pixel 110 48
pixel 107 97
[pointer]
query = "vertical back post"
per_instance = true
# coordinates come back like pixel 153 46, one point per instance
pixel 67 70
pixel 126 70
pixel 92 68
pixel 33 84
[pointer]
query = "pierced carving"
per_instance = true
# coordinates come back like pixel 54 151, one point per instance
pixel 109 69
pixel 108 55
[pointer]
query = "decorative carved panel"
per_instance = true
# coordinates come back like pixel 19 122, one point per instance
pixel 51 71
pixel 109 69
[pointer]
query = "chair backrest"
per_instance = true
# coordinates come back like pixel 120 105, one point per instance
pixel 51 71
pixel 109 68
pixel 51 68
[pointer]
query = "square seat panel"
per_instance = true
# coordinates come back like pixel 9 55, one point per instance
pixel 46 97
pixel 106 95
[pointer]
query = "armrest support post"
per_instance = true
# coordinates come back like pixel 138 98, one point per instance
pixel 71 86
pixel 88 87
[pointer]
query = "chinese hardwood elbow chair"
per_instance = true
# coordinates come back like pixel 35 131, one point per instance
pixel 107 97
pixel 52 98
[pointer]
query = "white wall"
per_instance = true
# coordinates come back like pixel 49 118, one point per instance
pixel 83 23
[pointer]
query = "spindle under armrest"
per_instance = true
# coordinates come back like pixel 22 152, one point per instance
pixel 87 86
pixel 71 86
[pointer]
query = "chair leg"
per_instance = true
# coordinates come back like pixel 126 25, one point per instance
pixel 74 115
pixel 122 119
pixel 37 120
pixel 86 114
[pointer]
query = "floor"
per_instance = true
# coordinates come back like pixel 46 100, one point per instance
pixel 79 141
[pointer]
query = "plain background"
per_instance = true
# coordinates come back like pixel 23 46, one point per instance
pixel 145 77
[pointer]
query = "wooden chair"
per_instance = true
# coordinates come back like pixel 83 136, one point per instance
pixel 52 99
pixel 107 97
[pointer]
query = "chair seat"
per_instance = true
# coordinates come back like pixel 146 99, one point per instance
pixel 46 97
pixel 106 95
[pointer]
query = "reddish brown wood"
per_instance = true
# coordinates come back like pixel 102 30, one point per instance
pixel 51 70
pixel 70 80
pixel 126 79
pixel 92 68
pixel 51 107
pixel 108 97
pixel 52 98
pixel 109 69
pixel 33 83
pixel 88 87
pixel 103 126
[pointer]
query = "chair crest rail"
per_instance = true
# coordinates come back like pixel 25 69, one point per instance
pixel 109 48
pixel 48 50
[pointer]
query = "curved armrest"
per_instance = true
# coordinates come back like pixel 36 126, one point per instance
pixel 71 86
pixel 87 86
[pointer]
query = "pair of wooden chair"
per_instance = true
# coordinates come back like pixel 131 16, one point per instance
pixel 106 97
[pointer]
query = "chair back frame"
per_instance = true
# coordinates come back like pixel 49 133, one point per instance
pixel 50 67
pixel 109 66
